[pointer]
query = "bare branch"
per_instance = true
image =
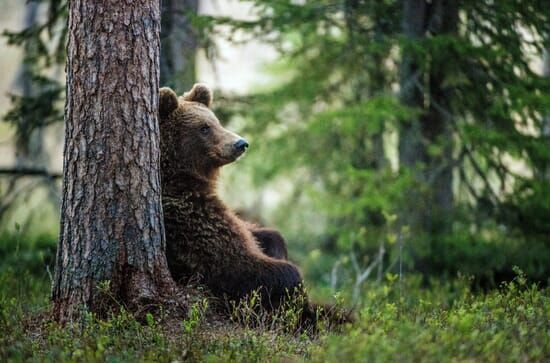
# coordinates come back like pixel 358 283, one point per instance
pixel 37 172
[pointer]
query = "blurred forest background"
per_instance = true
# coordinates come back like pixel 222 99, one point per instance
pixel 388 138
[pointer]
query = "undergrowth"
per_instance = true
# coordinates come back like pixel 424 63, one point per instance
pixel 395 321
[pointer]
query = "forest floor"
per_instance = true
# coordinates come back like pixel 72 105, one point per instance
pixel 396 321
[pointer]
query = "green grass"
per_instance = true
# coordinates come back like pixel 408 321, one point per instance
pixel 396 321
pixel 507 325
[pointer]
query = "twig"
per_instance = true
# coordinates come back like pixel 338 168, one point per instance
pixel 30 172
pixel 381 253
pixel 362 276
pixel 10 198
pixel 334 275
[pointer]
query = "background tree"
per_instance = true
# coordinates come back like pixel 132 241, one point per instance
pixel 38 102
pixel 460 117
pixel 426 142
pixel 179 44
pixel 29 150
pixel 420 19
pixel 111 217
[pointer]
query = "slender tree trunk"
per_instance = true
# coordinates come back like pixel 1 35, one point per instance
pixel 436 127
pixel 29 147
pixel 424 90
pixel 546 119
pixel 112 231
pixel 178 44
pixel 411 149
pixel 30 151
pixel 379 85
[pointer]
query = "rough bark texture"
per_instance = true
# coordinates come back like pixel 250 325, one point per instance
pixel 178 44
pixel 426 91
pixel 111 215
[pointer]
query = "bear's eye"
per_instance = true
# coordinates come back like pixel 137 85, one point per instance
pixel 205 129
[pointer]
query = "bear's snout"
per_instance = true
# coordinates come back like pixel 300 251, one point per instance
pixel 240 146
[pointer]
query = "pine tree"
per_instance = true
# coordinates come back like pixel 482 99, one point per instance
pixel 112 235
pixel 461 94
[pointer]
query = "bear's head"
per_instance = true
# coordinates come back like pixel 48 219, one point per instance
pixel 194 145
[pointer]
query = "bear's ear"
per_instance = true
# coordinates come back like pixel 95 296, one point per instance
pixel 199 93
pixel 168 101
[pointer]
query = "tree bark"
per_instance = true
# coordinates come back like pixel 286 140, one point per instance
pixel 178 44
pixel 112 231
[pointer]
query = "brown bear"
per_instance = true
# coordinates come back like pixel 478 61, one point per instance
pixel 204 237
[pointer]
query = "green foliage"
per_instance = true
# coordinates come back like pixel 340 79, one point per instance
pixel 333 124
pixel 23 253
pixel 38 110
pixel 399 321
pixel 28 335
pixel 490 255
pixel 196 316
pixel 43 45
pixel 510 324
pixel 291 318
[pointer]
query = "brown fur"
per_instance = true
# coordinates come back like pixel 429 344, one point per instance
pixel 203 236
pixel 271 242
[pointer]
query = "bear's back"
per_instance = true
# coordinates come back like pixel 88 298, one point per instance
pixel 204 237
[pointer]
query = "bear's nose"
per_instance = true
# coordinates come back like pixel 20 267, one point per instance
pixel 241 145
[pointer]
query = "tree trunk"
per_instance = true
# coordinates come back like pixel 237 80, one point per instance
pixel 426 92
pixel 436 126
pixel 112 231
pixel 178 44
pixel 411 150
pixel 546 120
pixel 29 147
